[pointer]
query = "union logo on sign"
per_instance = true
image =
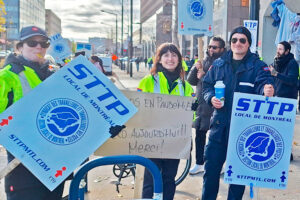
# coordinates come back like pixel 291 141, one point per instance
pixel 59 48
pixel 62 121
pixel 196 9
pixel 260 147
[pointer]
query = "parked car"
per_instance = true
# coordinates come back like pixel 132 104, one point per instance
pixel 4 53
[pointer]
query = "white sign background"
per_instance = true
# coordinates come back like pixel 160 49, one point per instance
pixel 252 26
pixel 260 140
pixel 28 142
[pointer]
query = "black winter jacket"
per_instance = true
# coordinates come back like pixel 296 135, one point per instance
pixel 287 78
pixel 204 111
pixel 250 77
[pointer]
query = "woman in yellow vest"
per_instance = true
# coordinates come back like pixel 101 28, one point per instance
pixel 166 77
pixel 20 75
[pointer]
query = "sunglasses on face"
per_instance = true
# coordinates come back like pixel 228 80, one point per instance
pixel 242 40
pixel 213 47
pixel 33 43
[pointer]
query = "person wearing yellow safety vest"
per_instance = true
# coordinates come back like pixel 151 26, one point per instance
pixel 21 74
pixel 195 59
pixel 150 62
pixel 167 77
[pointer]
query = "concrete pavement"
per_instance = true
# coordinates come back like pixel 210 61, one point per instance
pixel 101 180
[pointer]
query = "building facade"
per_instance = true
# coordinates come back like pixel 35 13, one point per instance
pixel 53 23
pixel 158 21
pixel 22 13
pixel 101 45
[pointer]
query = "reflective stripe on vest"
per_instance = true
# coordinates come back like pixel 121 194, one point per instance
pixel 25 85
pixel 157 85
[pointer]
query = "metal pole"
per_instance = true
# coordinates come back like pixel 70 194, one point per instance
pixel 141 32
pixel 116 34
pixel 254 13
pixel 131 32
pixel 122 31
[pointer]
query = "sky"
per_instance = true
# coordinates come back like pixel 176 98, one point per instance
pixel 82 19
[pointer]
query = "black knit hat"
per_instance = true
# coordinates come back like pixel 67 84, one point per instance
pixel 242 30
pixel 286 45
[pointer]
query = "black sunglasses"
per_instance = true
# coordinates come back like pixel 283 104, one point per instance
pixel 213 47
pixel 33 43
pixel 242 40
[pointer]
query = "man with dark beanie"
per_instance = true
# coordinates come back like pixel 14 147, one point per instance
pixel 241 71
pixel 285 71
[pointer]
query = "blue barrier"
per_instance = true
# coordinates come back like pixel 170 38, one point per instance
pixel 75 194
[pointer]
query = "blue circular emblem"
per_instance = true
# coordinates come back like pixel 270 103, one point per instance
pixel 62 121
pixel 260 147
pixel 59 48
pixel 196 9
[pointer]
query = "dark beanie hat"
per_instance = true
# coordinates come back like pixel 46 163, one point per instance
pixel 286 45
pixel 242 30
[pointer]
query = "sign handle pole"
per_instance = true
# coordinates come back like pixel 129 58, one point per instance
pixel 117 78
pixel 10 166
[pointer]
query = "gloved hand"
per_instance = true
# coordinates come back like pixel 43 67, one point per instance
pixel 115 130
pixel 195 105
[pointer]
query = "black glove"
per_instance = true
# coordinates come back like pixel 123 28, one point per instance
pixel 115 130
pixel 195 105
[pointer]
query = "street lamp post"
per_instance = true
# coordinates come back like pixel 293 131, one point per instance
pixel 131 33
pixel 116 27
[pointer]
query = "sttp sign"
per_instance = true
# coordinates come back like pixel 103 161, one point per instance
pixel 69 117
pixel 260 139
pixel 252 26
pixel 195 17
pixel 59 48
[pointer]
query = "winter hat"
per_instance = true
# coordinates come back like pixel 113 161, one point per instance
pixel 30 31
pixel 242 30
pixel 286 45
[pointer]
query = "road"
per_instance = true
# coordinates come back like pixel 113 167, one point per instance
pixel 101 180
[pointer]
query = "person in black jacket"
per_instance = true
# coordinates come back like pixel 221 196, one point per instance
pixel 285 71
pixel 215 49
pixel 241 71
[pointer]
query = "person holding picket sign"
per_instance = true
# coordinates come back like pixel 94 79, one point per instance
pixel 166 77
pixel 238 70
pixel 19 76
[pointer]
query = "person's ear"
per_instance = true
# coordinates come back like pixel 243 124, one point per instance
pixel 287 52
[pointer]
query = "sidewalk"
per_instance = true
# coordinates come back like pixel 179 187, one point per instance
pixel 101 180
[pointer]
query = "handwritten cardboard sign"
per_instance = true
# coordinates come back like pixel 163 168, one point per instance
pixel 56 126
pixel 261 133
pixel 161 128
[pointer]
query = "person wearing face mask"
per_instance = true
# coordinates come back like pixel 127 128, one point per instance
pixel 203 113
pixel 166 77
pixel 241 71
pixel 21 74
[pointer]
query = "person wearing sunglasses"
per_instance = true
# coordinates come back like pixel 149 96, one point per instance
pixel 21 74
pixel 241 71
pixel 203 111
